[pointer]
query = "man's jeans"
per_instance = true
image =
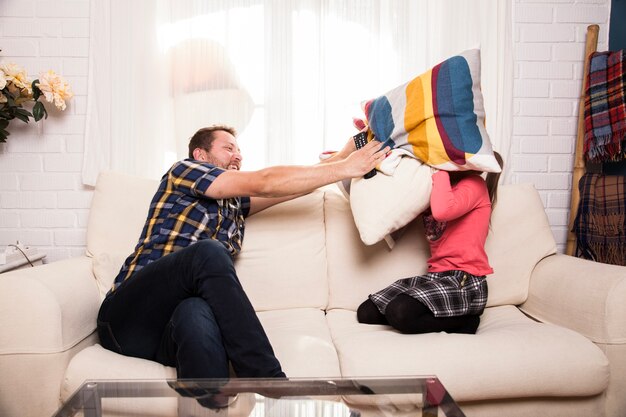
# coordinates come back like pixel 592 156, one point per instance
pixel 188 310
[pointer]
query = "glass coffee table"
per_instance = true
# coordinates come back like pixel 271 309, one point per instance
pixel 298 397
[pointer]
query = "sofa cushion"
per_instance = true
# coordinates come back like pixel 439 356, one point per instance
pixel 514 356
pixel 302 342
pixel 519 237
pixel 283 259
pixel 356 270
pixel 118 212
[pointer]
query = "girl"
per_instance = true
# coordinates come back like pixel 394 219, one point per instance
pixel 452 295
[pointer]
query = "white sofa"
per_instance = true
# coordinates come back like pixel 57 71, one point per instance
pixel 552 341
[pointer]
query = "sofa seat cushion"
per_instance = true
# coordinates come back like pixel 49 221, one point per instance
pixel 302 342
pixel 514 356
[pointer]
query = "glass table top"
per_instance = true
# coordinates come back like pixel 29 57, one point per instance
pixel 298 397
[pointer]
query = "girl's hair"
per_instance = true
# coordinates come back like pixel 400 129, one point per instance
pixel 492 181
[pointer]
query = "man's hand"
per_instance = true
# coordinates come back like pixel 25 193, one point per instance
pixel 362 161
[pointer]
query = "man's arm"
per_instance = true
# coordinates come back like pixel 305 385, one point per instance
pixel 258 204
pixel 286 181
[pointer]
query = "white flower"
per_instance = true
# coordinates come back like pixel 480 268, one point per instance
pixel 3 80
pixel 17 76
pixel 55 89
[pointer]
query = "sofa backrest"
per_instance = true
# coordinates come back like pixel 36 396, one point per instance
pixel 283 262
pixel 520 236
pixel 118 212
pixel 308 253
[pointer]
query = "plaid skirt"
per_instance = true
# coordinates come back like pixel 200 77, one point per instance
pixel 446 294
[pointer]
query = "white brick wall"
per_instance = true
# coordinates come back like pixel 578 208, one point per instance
pixel 42 201
pixel 549 39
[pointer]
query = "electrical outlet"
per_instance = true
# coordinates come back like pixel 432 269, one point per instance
pixel 18 252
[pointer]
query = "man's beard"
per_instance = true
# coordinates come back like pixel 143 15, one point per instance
pixel 214 161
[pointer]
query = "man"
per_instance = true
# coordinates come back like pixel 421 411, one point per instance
pixel 177 299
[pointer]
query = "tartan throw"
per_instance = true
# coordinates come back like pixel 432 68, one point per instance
pixel 600 222
pixel 605 109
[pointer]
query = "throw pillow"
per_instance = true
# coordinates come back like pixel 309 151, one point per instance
pixel 438 116
pixel 384 204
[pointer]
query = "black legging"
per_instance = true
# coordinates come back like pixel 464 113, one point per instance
pixel 408 315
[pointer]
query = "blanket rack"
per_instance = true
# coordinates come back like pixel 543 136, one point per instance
pixel 591 45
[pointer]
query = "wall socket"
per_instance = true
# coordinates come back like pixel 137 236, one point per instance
pixel 17 252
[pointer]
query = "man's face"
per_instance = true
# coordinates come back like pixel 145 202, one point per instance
pixel 224 152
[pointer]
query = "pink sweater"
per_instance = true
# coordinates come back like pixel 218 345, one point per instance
pixel 466 209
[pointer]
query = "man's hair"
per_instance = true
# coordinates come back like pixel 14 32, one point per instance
pixel 204 137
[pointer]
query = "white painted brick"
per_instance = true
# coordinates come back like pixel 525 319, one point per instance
pixel 47 219
pixel 568 51
pixel 19 163
pixel 76 237
pixel 534 163
pixel 560 236
pixel 533 14
pixel 75 199
pixel 36 144
pixel 547 33
pixel 8 182
pixel 76 28
pixel 75 47
pixel 49 27
pixel 63 163
pixel 50 47
pixel 561 163
pixel 531 88
pixel 559 200
pixel 565 89
pixel 75 67
pixel 75 143
pixel 558 217
pixel 26 237
pixel 24 199
pixel 20 27
pixel 62 9
pixel 35 66
pixel 79 105
pixel 79 85
pixel 533 52
pixel 77 251
pixel 54 254
pixel 17 8
pixel 547 145
pixel 48 181
pixel 530 126
pixel 544 1
pixel 547 108
pixel 18 48
pixel 546 181
pixel 546 70
pixel 579 14
pixel 65 124
pixel 82 217
pixel 9 218
pixel 564 126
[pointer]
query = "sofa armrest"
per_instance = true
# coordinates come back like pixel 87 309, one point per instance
pixel 49 308
pixel 585 296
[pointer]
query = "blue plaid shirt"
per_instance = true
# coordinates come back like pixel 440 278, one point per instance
pixel 180 214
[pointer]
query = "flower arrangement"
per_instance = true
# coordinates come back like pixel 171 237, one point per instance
pixel 16 90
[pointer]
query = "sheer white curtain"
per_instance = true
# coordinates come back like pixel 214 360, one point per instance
pixel 289 74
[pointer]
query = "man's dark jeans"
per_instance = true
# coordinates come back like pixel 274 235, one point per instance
pixel 188 310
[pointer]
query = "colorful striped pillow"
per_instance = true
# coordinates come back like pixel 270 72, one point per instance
pixel 438 116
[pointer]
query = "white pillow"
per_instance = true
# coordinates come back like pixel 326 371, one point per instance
pixel 384 204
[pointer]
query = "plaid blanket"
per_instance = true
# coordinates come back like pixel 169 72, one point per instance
pixel 605 109
pixel 600 222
